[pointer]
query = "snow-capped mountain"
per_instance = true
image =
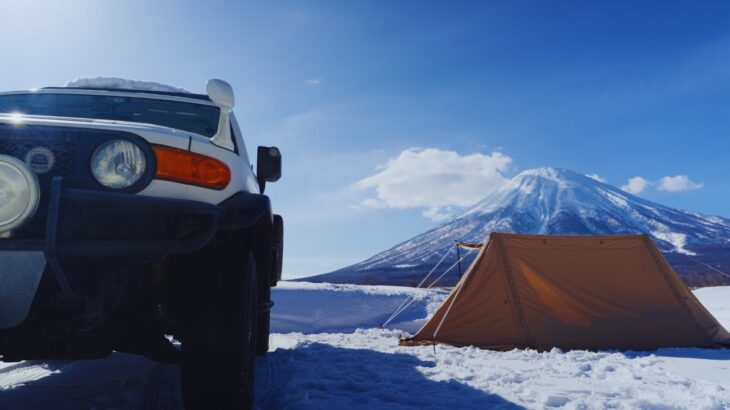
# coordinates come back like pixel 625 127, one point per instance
pixel 555 202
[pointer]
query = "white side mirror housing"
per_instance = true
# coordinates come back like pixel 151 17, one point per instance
pixel 221 93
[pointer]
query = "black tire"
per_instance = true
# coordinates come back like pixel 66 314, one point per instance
pixel 278 243
pixel 264 319
pixel 263 323
pixel 262 339
pixel 219 338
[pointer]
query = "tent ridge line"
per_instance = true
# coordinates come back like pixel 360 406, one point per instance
pixel 513 292
pixel 672 286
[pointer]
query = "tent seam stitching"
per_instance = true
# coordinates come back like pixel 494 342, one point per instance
pixel 515 297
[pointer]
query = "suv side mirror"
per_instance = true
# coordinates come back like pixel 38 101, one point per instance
pixel 268 166
pixel 221 93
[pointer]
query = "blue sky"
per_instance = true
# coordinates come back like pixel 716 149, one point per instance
pixel 622 89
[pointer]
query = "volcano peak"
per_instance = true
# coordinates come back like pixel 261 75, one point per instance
pixel 549 201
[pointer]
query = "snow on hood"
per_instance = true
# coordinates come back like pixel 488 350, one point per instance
pixel 124 84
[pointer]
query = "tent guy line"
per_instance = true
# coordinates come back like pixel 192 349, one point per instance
pixel 706 265
pixel 405 305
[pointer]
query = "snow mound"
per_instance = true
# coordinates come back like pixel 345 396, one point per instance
pixel 123 84
pixel 322 307
pixel 716 300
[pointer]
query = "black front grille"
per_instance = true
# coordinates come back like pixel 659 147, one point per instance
pixel 61 144
pixel 64 154
pixel 18 143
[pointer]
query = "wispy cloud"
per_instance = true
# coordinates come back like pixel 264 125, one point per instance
pixel 435 180
pixel 636 185
pixel 678 183
pixel 313 81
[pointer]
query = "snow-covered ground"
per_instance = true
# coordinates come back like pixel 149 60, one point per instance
pixel 328 352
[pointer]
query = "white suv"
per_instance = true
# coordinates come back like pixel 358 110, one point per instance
pixel 130 214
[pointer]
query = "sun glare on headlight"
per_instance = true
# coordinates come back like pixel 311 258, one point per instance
pixel 19 193
pixel 118 164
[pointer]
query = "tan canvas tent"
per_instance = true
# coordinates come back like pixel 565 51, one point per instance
pixel 587 292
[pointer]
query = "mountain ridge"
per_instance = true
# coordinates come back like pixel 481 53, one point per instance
pixel 555 201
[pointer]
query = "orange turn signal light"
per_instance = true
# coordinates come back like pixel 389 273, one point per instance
pixel 186 167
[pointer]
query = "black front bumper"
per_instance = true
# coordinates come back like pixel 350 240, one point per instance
pixel 88 223
pixel 85 223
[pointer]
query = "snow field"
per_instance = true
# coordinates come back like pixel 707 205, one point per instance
pixel 363 368
pixel 366 369
pixel 117 382
pixel 328 352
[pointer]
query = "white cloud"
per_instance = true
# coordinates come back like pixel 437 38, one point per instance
pixel 439 214
pixel 313 81
pixel 438 181
pixel 369 203
pixel 597 178
pixel 677 183
pixel 635 185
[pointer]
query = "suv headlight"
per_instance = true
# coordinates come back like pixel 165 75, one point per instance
pixel 118 164
pixel 19 193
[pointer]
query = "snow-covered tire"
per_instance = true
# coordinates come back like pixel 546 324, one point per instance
pixel 219 340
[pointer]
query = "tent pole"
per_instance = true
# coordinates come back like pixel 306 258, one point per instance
pixel 458 257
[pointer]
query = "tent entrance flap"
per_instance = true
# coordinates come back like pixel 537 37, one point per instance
pixel 571 292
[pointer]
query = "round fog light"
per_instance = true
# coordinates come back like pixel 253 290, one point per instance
pixel 19 193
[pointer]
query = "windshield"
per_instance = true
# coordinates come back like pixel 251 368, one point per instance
pixel 198 118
